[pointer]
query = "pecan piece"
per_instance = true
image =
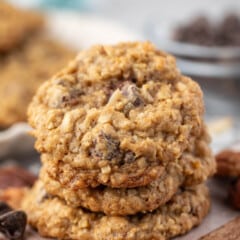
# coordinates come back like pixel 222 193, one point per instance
pixel 15 177
pixel 228 163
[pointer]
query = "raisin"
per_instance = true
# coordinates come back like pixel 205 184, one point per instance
pixel 106 147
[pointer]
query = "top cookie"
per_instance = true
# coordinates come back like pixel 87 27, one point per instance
pixel 118 114
pixel 15 25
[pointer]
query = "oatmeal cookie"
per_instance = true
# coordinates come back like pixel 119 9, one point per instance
pixel 119 201
pixel 16 25
pixel 117 115
pixel 189 170
pixel 53 218
pixel 23 70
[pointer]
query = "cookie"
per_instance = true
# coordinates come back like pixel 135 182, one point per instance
pixel 116 115
pixel 16 25
pixel 187 171
pixel 23 70
pixel 53 218
pixel 121 201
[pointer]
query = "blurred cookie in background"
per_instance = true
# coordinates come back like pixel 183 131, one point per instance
pixel 28 56
pixel 23 70
pixel 16 25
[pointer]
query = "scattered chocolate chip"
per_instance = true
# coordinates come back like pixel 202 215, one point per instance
pixel 13 224
pixel 4 208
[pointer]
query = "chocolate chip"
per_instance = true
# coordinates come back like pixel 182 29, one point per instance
pixel 13 224
pixel 107 147
pixel 72 98
pixel 4 208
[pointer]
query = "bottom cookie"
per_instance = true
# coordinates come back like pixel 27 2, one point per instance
pixel 53 218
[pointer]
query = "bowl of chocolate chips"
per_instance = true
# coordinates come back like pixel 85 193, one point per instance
pixel 207 48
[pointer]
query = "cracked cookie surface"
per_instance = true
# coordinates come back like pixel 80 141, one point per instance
pixel 116 116
pixel 53 218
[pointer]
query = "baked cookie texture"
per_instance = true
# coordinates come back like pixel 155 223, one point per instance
pixel 192 168
pixel 16 25
pixel 53 218
pixel 116 116
pixel 23 70
pixel 124 148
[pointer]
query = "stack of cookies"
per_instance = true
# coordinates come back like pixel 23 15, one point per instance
pixel 124 148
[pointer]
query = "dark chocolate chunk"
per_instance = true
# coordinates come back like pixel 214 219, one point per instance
pixel 107 147
pixel 4 208
pixel 13 224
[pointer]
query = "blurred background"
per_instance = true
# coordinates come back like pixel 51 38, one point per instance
pixel 203 35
